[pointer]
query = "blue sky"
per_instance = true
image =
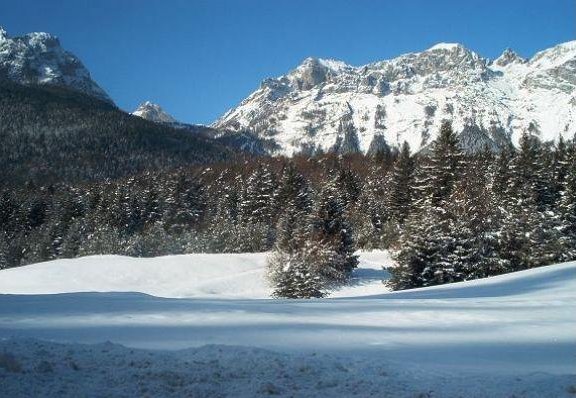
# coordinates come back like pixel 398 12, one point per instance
pixel 199 58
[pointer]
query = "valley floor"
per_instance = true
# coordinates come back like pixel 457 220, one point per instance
pixel 511 335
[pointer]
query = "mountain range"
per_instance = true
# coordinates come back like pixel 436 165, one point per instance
pixel 327 105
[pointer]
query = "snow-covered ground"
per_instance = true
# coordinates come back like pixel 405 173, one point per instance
pixel 193 275
pixel 512 335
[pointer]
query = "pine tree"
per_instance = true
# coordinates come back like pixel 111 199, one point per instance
pixel 293 271
pixel 293 189
pixel 444 166
pixel 559 172
pixel 421 248
pixel 370 216
pixel 401 196
pixel 256 210
pixel 428 241
pixel 348 185
pixel 256 204
pixel 331 230
pixel 184 203
pixel 290 271
pixel 567 206
pixel 475 225
pixel 502 174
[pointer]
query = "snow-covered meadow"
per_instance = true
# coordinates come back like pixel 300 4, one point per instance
pixel 202 325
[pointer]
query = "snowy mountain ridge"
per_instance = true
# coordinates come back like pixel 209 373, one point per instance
pixel 38 59
pixel 330 105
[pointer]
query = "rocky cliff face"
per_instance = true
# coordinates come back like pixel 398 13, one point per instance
pixel 38 59
pixel 329 105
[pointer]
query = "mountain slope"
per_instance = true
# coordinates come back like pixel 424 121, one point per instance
pixel 50 134
pixel 329 105
pixel 38 59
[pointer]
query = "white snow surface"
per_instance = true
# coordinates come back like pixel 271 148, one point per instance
pixel 218 276
pixel 511 335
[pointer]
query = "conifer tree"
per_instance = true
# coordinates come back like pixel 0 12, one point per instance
pixel 475 226
pixel 331 230
pixel 444 167
pixel 428 241
pixel 401 196
pixel 290 271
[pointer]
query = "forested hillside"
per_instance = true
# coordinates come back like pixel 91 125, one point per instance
pixel 55 135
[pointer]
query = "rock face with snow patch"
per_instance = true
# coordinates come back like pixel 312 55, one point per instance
pixel 329 105
pixel 154 113
pixel 38 59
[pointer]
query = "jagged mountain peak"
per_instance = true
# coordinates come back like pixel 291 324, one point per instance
pixel 508 57
pixel 446 47
pixel 328 63
pixel 153 112
pixel 406 99
pixel 38 59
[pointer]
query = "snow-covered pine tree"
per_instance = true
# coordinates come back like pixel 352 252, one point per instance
pixel 531 229
pixel 368 215
pixel 559 169
pixel 567 206
pixel 444 166
pixel 475 225
pixel 331 230
pixel 428 241
pixel 290 270
pixel 184 204
pixel 349 186
pixel 221 230
pixel 293 188
pixel 527 171
pixel 401 185
pixel 502 174
pixel 422 248
pixel 256 210
pixel 256 204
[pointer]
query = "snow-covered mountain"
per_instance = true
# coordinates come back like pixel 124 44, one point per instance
pixel 38 58
pixel 329 105
pixel 154 113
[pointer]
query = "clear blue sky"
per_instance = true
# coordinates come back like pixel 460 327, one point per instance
pixel 198 58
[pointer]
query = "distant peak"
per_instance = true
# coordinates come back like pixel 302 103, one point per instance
pixel 153 112
pixel 38 59
pixel 508 57
pixel 445 46
pixel 328 63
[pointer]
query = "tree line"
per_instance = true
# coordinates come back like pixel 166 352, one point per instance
pixel 446 215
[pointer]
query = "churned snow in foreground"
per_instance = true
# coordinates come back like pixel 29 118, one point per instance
pixel 511 335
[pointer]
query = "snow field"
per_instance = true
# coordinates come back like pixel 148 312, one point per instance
pixel 511 335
